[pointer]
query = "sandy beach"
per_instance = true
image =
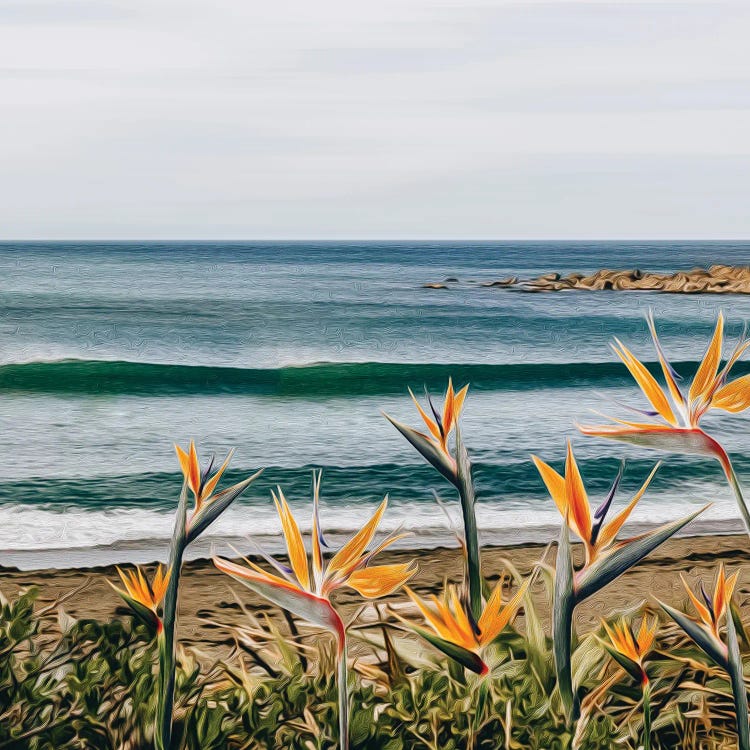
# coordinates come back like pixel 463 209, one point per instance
pixel 209 597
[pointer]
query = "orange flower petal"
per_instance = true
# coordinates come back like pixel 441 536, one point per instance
pixel 210 485
pixel 700 608
pixel 577 500
pixel 646 381
pixel 554 482
pixel 674 389
pixel 733 397
pixel 380 580
pixel 294 543
pixel 348 556
pixel 709 366
pixel 431 424
pixel 498 618
pixel 432 618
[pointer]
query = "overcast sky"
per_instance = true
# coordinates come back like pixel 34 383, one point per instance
pixel 387 119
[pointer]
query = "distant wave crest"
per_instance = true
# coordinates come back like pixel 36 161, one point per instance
pixel 92 377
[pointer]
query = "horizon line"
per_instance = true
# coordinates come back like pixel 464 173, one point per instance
pixel 369 239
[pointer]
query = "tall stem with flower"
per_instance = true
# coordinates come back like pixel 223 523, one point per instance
pixel 209 505
pixel 674 417
pixel 605 558
pixel 456 468
pixel 453 633
pixel 706 634
pixel 304 587
pixel 629 650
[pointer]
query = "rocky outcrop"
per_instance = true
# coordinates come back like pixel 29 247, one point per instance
pixel 718 279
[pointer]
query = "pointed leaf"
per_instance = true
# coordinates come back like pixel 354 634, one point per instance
pixel 739 626
pixel 738 686
pixel 622 558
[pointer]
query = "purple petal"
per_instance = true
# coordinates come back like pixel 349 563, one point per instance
pixel 435 412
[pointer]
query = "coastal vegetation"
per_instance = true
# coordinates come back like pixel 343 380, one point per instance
pixel 472 668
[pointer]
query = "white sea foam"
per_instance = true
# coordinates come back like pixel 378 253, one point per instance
pixel 37 536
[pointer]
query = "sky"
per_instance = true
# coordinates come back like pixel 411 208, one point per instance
pixel 292 119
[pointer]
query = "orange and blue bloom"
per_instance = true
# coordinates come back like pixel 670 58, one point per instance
pixel 674 420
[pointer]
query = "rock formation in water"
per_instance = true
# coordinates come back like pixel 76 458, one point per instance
pixel 718 279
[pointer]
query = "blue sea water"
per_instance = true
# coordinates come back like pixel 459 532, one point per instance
pixel 289 352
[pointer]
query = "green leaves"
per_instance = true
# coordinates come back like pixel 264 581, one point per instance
pixel 739 692
pixel 727 656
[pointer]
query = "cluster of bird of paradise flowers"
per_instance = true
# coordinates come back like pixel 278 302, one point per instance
pixel 465 621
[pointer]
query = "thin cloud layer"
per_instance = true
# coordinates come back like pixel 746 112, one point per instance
pixel 397 119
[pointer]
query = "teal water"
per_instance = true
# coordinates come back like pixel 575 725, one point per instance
pixel 289 352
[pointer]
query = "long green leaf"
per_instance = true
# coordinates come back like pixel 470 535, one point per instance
pixel 428 450
pixel 221 501
pixel 614 564
pixel 713 648
pixel 343 690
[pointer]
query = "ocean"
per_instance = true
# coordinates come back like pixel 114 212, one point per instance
pixel 289 352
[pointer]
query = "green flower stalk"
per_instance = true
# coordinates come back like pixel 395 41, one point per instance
pixel 704 632
pixel 457 470
pixel 605 558
pixel 188 527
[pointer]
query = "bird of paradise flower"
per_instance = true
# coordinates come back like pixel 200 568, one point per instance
pixel 630 649
pixel 606 558
pixel 455 632
pixel 674 420
pixel 705 633
pixel 304 587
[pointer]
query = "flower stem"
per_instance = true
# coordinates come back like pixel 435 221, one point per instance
pixel 343 693
pixel 167 658
pixel 465 486
pixel 646 715
pixel 734 667
pixel 167 665
pixel 562 626
pixel 734 483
